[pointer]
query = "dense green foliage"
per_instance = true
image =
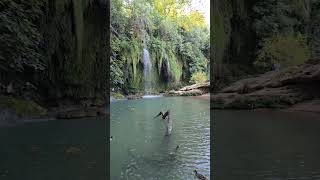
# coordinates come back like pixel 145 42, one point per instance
pixel 178 43
pixel 283 49
pixel 198 77
pixel 19 36
pixel 57 47
pixel 249 36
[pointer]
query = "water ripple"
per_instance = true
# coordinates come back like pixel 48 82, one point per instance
pixel 156 156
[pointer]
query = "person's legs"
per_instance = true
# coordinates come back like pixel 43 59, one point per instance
pixel 168 123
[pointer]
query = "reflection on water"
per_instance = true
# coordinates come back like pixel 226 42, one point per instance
pixel 139 149
pixel 266 145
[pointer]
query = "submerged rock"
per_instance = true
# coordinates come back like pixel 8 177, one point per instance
pixel 72 151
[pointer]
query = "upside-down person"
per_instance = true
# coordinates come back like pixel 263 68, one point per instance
pixel 168 121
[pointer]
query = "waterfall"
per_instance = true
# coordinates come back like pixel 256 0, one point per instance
pixel 147 70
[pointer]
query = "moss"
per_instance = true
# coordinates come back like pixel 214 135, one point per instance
pixel 221 28
pixel 117 95
pixel 78 16
pixel 220 37
pixel 22 107
pixel 137 82
pixel 161 52
pixel 229 36
pixel 175 69
pixel 74 33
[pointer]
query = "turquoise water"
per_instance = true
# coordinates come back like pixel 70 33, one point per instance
pixel 139 149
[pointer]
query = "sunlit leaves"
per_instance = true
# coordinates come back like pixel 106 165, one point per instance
pixel 193 19
pixel 171 8
pixel 284 49
pixel 166 30
pixel 198 77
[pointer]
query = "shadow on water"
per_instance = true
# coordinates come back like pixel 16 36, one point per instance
pixel 269 145
pixel 61 149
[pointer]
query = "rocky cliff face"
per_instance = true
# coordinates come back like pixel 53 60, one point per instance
pixel 75 40
pixel 233 37
pixel 277 89
pixel 71 45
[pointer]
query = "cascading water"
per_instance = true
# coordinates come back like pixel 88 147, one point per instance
pixel 147 71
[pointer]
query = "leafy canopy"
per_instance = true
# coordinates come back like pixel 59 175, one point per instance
pixel 173 36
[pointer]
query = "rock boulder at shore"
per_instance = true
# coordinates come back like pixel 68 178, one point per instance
pixel 81 113
pixel 193 90
pixel 276 89
pixel 69 110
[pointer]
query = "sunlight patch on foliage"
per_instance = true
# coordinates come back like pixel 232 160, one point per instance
pixel 198 77
pixel 285 49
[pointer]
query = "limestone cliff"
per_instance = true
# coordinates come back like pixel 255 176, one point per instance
pixel 276 89
pixel 56 51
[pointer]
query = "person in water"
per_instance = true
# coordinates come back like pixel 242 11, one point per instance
pixel 168 121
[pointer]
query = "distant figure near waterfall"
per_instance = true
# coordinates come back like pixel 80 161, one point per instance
pixel 168 121
pixel 276 66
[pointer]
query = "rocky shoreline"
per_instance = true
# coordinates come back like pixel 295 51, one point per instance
pixel 276 89
pixel 308 106
pixel 193 90
pixel 201 90
pixel 14 111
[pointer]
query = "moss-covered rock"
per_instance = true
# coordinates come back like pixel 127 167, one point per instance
pixel 22 107
pixel 117 95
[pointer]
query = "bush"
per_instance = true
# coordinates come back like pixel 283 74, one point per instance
pixel 284 49
pixel 198 77
pixel 117 95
